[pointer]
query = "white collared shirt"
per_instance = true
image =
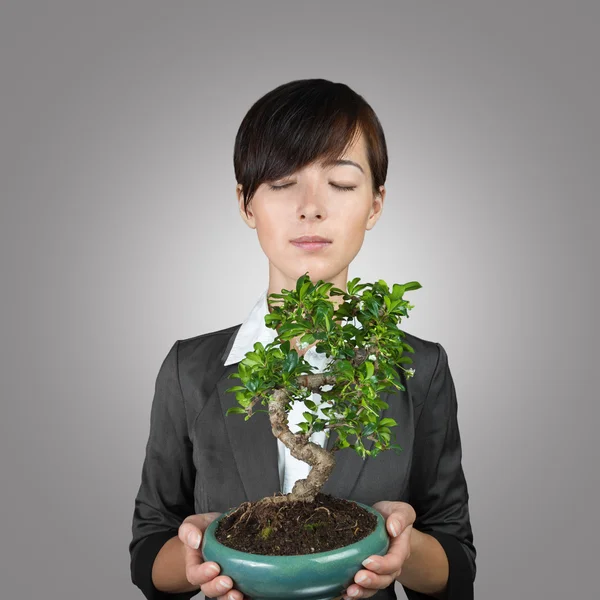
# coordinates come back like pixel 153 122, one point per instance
pixel 253 330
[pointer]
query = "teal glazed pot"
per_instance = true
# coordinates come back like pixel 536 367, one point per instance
pixel 316 576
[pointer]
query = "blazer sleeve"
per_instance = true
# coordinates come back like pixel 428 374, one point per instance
pixel 166 493
pixel 438 489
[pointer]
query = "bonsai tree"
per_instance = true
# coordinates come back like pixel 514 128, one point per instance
pixel 363 362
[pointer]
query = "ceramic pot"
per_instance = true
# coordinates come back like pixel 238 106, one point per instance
pixel 316 576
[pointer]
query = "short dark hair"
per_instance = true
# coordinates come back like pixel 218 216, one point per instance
pixel 300 122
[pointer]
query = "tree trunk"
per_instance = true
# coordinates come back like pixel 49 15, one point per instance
pixel 321 460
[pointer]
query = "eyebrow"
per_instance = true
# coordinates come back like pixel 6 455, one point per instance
pixel 345 162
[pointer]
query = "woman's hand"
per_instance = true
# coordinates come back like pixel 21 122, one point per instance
pixel 383 570
pixel 199 572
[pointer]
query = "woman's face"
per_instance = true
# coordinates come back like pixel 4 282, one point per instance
pixel 309 203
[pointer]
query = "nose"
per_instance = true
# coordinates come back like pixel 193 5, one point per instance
pixel 311 206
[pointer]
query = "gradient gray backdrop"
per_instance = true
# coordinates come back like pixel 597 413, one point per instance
pixel 120 233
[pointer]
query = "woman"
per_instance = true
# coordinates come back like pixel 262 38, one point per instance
pixel 310 159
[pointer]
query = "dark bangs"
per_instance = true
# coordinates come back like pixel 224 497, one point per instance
pixel 302 122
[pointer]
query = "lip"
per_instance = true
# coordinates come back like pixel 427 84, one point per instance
pixel 311 245
pixel 303 239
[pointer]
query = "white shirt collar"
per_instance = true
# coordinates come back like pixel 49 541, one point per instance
pixel 254 329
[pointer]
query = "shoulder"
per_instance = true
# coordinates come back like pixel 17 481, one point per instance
pixel 200 363
pixel 205 347
pixel 428 357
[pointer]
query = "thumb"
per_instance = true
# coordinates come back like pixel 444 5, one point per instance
pixel 193 527
pixel 385 507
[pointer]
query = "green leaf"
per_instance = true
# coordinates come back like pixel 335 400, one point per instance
pixel 346 368
pixel 305 287
pixel 310 404
pixel 236 388
pixel 300 282
pixel 303 427
pixel 396 447
pixel 383 285
pixel 309 338
pixel 352 284
pixel 387 422
pixel 290 330
pixel 252 358
pixel 290 362
pixel 397 291
pixel 308 416
pixel 235 410
pixel 369 429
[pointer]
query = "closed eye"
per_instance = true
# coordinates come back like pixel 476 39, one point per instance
pixel 337 187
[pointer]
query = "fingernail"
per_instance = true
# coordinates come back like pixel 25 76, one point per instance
pixel 214 568
pixel 361 578
pixel 352 593
pixel 394 528
pixel 222 585
pixel 193 539
pixel 373 566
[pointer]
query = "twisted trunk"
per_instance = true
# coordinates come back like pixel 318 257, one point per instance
pixel 321 460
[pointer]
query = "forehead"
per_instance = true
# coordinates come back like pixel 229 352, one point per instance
pixel 356 151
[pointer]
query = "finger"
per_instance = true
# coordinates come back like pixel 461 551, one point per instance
pixel 233 595
pixel 368 586
pixel 397 553
pixel 404 510
pixel 219 586
pixel 190 535
pixel 372 581
pixel 192 528
pixel 357 591
pixel 197 571
pixel 205 572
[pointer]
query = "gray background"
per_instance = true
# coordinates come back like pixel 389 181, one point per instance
pixel 120 233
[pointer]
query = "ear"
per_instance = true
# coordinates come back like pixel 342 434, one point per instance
pixel 248 218
pixel 376 208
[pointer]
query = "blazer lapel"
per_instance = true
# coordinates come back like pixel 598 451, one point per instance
pixel 253 444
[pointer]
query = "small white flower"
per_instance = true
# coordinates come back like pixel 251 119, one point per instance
pixel 410 372
pixel 302 345
pixel 371 357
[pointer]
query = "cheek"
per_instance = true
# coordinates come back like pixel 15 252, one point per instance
pixel 353 223
pixel 270 228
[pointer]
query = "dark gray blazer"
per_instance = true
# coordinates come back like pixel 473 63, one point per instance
pixel 200 460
